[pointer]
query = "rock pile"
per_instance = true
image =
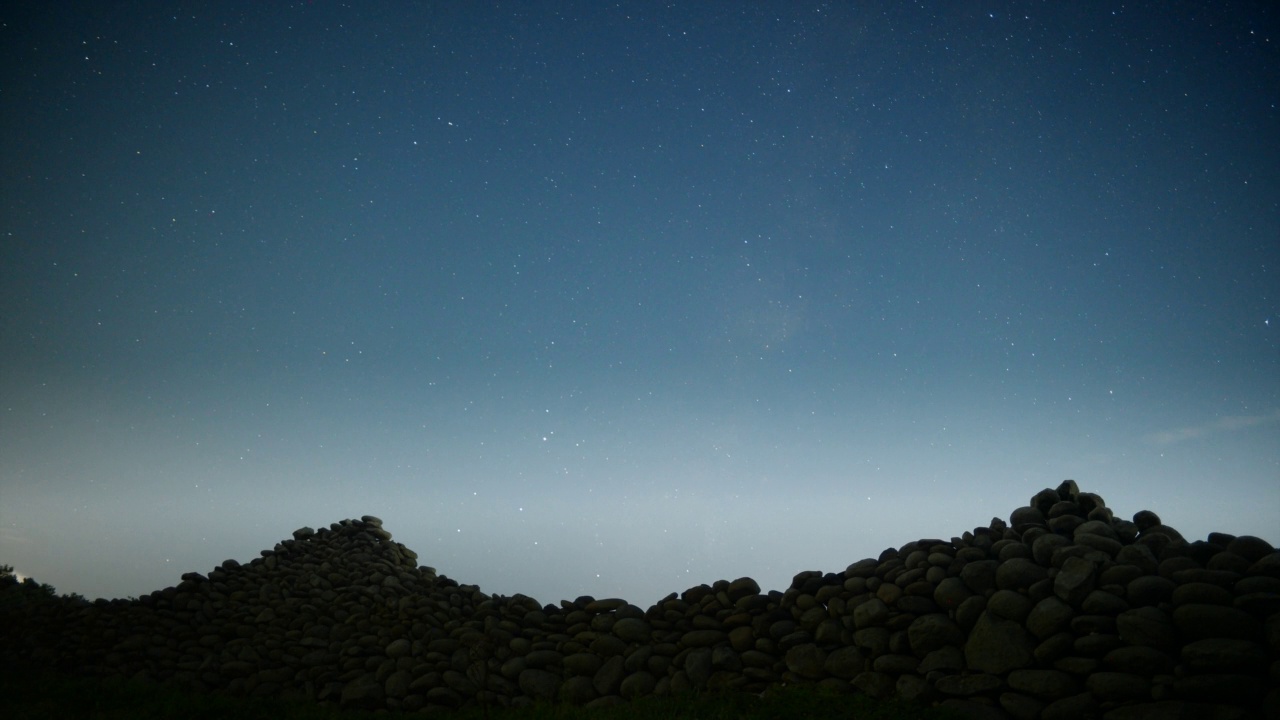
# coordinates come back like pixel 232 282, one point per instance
pixel 1065 611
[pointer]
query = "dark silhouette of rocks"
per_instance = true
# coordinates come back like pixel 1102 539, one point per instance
pixel 1063 612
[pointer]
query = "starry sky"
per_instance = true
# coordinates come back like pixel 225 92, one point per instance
pixel 614 299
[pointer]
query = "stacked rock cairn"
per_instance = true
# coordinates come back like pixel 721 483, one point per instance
pixel 1065 611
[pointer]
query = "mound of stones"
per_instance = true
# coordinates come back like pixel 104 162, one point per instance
pixel 1064 611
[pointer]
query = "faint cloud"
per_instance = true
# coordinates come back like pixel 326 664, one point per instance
pixel 10 536
pixel 1227 423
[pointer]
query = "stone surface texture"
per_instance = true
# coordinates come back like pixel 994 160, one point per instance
pixel 1066 610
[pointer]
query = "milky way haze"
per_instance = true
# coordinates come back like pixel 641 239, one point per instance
pixel 614 299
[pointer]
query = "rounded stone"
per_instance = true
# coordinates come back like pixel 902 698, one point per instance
pixel 1075 580
pixel 862 569
pixel 889 593
pixel 1068 490
pixel 629 611
pixel 1173 535
pixel 1065 524
pixel 870 613
pixel 1054 648
pixel 583 663
pixel 1049 617
pixel 1118 687
pixel 578 690
pixel 1198 621
pixel 1258 584
pixel 742 587
pixel 632 630
pixel 931 632
pixel 782 628
pixel 726 658
pixel 609 677
pixel 1125 530
pixel 876 685
pixel 1259 604
pixel 1019 574
pixel 895 664
pixel 638 659
pixel 1101 544
pixel 364 692
pixel 604 605
pixel 1044 500
pixel 1064 507
pixel 911 688
pixel 979 576
pixel 1223 578
pixel 1045 546
pixel 1095 527
pixel 845 662
pixel 950 593
pixel 1095 646
pixel 1251 548
pixel 607 645
pixel 539 684
pixel 1268 566
pixel 1119 575
pixel 237 668
pixel 874 640
pixel 997 646
pixel 1148 626
pixel 1229 561
pixel 1043 684
pixel 829 632
pixel 637 684
pixel 1100 602
pixel 917 604
pixel 1203 593
pixel 397 684
pixel 1231 688
pixel 969 611
pixel 1149 590
pixel 1140 556
pixel 1145 520
pixel 1020 706
pixel 1081 705
pixel 742 638
pixel 1090 501
pixel 1026 517
pixel 445 696
pixel 1014 549
pixel 805 660
pixel 965 685
pixel 1009 605
pixel 698 667
pixel 1139 660
pixel 1224 655
pixel 949 658
pixel 702 638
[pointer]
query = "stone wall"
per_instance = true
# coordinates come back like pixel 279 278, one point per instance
pixel 1065 611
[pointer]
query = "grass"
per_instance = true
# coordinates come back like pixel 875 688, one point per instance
pixel 30 695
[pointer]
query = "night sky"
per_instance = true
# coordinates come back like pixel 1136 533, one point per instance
pixel 615 299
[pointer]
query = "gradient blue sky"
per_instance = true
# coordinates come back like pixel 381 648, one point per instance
pixel 620 298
